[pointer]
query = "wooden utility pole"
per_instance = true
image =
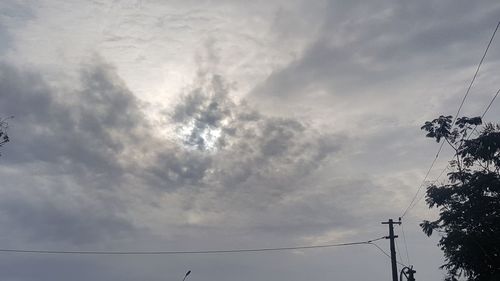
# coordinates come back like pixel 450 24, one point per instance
pixel 391 238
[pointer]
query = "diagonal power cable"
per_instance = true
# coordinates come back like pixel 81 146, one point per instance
pixel 475 127
pixel 385 253
pixel 410 206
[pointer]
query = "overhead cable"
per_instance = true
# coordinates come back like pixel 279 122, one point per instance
pixel 406 244
pixel 454 120
pixel 475 74
pixel 227 251
pixel 385 253
pixel 473 130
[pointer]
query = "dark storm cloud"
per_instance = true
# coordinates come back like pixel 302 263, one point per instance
pixel 369 44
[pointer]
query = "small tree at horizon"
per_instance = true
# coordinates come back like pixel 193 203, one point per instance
pixel 4 138
pixel 469 204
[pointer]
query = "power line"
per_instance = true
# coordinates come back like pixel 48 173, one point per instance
pixel 489 105
pixel 475 74
pixel 433 182
pixel 28 251
pixel 473 130
pixel 423 182
pixel 406 244
pixel 484 112
pixel 454 120
pixel 384 252
pixel 399 252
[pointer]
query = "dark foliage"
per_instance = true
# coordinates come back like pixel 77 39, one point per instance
pixel 469 203
pixel 4 138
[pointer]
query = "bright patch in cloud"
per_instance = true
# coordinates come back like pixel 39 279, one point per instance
pixel 195 138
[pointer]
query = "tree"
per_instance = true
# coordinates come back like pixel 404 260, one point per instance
pixel 469 203
pixel 4 138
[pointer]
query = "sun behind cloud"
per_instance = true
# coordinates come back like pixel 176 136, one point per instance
pixel 202 119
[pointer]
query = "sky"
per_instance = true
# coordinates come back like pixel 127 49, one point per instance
pixel 212 125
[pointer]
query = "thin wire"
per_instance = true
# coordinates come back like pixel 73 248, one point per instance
pixel 432 183
pixel 446 167
pixel 468 137
pixel 385 253
pixel 489 105
pixel 406 245
pixel 441 174
pixel 423 182
pixel 26 251
pixel 454 120
pixel 397 249
pixel 475 74
pixel 484 113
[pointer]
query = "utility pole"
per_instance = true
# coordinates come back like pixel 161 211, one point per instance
pixel 393 248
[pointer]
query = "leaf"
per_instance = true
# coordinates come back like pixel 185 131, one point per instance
pixel 428 227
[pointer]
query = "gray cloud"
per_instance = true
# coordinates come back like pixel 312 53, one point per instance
pixel 247 143
pixel 87 145
pixel 62 217
pixel 10 14
pixel 365 45
pixel 323 148
pixel 74 145
pixel 88 128
pixel 248 174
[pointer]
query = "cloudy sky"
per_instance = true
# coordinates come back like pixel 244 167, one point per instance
pixel 206 125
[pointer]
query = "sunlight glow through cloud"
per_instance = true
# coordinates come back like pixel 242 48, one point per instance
pixel 206 139
pixel 227 124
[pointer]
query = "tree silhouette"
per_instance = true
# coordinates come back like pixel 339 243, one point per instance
pixel 469 203
pixel 4 138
